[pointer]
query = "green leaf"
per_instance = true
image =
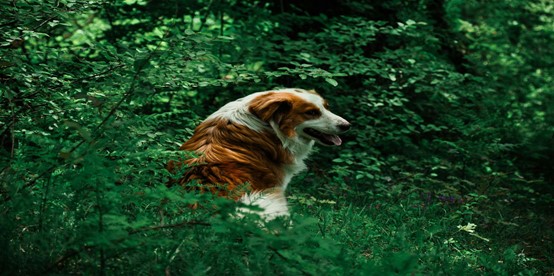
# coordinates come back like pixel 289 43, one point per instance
pixel 331 81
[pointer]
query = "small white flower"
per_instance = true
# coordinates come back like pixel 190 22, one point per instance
pixel 470 227
pixel 450 241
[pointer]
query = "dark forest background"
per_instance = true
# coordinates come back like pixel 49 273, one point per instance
pixel 448 169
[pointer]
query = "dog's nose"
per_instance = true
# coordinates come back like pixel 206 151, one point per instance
pixel 344 126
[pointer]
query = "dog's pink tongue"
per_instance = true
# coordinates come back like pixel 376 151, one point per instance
pixel 335 139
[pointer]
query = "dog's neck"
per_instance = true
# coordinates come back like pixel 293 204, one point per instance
pixel 300 147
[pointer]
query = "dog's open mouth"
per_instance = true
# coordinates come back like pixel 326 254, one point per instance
pixel 326 139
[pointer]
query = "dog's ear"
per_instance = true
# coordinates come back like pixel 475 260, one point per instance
pixel 271 106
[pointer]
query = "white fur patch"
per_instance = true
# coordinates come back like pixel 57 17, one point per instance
pixel 273 204
pixel 237 111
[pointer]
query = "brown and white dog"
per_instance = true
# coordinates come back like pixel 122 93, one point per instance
pixel 260 140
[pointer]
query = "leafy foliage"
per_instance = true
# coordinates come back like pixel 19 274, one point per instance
pixel 448 170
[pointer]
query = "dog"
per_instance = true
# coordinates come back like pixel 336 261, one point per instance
pixel 260 140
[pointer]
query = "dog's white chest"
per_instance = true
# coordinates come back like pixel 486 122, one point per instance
pixel 291 171
pixel 298 165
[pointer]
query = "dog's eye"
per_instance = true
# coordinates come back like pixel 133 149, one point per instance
pixel 312 112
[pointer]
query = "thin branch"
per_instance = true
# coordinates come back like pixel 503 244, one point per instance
pixel 12 150
pixel 11 23
pixel 221 23
pixel 105 72
pixel 205 18
pixel 287 259
pixel 24 49
pixel 169 226
pixel 43 203
pixel 100 227
pixel 68 254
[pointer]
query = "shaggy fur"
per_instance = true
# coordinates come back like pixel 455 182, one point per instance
pixel 260 140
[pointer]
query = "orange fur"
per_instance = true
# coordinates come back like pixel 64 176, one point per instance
pixel 231 155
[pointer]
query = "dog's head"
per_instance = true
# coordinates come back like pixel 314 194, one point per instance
pixel 299 114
